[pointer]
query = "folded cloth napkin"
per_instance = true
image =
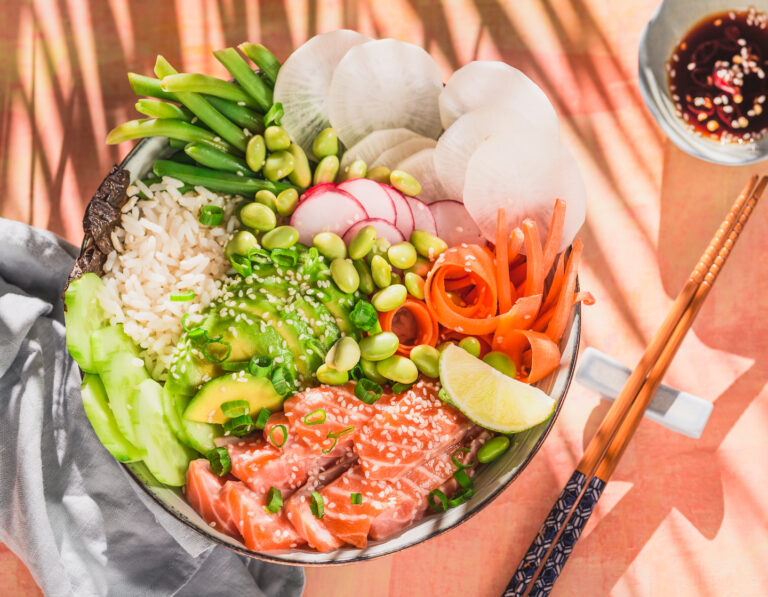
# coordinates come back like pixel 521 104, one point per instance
pixel 67 508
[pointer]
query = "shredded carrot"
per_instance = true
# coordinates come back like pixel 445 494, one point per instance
pixel 426 331
pixel 557 283
pixel 536 350
pixel 502 263
pixel 555 234
pixel 534 281
pixel 584 297
pixel 521 316
pixel 516 240
pixel 556 326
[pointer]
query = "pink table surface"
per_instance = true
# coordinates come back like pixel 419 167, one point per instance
pixel 682 517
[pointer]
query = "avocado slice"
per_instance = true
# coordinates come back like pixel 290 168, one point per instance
pixel 205 407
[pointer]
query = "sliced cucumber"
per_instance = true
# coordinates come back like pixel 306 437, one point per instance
pixel 83 316
pixel 198 436
pixel 108 341
pixel 121 376
pixel 103 420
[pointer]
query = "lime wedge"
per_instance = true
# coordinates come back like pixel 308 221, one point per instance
pixel 490 398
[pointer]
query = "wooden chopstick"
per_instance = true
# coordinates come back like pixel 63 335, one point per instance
pixel 550 549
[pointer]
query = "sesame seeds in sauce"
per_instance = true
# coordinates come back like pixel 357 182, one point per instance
pixel 717 77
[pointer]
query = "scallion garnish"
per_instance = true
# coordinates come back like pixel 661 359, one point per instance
pixel 356 498
pixel 235 408
pixel 234 365
pixel 211 215
pixel 239 426
pixel 357 372
pixel 184 296
pixel 462 478
pixel 260 366
pixel 274 115
pixel 242 265
pixel 335 437
pixel 274 500
pixel 368 391
pixel 259 256
pixel 461 497
pixel 401 388
pixel 193 332
pixel 364 316
pixel 437 500
pixel 220 461
pixel 284 431
pixel 284 257
pixel 206 350
pixel 455 459
pixel 262 418
pixel 280 382
pixel 317 506
pixel 316 417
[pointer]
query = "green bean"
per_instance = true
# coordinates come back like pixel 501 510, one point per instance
pixel 330 245
pixel 357 169
pixel 287 201
pixel 278 165
pixel 266 198
pixel 399 369
pixel 427 244
pixel 370 371
pixel 240 115
pixel 381 271
pixel 149 86
pixel 493 448
pixel 343 355
pixel 415 285
pixel 471 345
pixel 325 144
pixel 379 346
pixel 362 243
pixel 277 138
pixel 390 298
pixel 244 75
pixel 282 237
pixel 405 183
pixel 263 58
pixel 331 377
pixel 366 279
pixel 215 120
pixel 258 216
pixel 211 157
pixel 223 182
pixel 426 358
pixel 256 152
pixel 165 127
pixel 302 173
pixel 379 174
pixel 402 255
pixel 199 83
pixel 326 170
pixel 345 275
pixel 242 242
pixel 501 362
pixel 178 144
pixel 159 109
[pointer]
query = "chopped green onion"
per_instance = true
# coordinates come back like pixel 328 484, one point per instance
pixel 235 408
pixel 212 358
pixel 441 505
pixel 317 506
pixel 261 419
pixel 192 332
pixel 284 257
pixel 260 256
pixel 462 478
pixel 364 316
pixel 461 497
pixel 220 461
pixel 335 437
pixel 357 372
pixel 401 388
pixel 274 115
pixel 181 297
pixel 368 391
pixel 260 366
pixel 239 426
pixel 242 265
pixel 356 498
pixel 274 500
pixel 284 431
pixel 458 463
pixel 280 382
pixel 235 366
pixel 211 215
pixel 317 420
pixel 311 262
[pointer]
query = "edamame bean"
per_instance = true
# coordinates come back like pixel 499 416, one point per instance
pixel 397 368
pixel 255 153
pixel 287 201
pixel 366 279
pixel 390 298
pixel 343 355
pixel 405 183
pixel 426 358
pixel 326 170
pixel 326 143
pixel 267 198
pixel 278 165
pixel 369 369
pixel 345 275
pixel 357 169
pixel 501 362
pixel 402 255
pixel 493 448
pixel 379 174
pixel 258 216
pixel 242 242
pixel 277 138
pixel 331 377
pixel 415 285
pixel 282 237
pixel 421 267
pixel 330 245
pixel 362 243
pixel 427 244
pixel 471 345
pixel 302 173
pixel 443 345
pixel 379 346
pixel 381 271
pixel 396 278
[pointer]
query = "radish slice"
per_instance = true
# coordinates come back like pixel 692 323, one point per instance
pixel 303 81
pixel 393 156
pixel 525 182
pixel 372 196
pixel 384 229
pixel 421 165
pixel 484 83
pixel 464 136
pixel 455 225
pixel 326 210
pixel 385 84
pixel 422 217
pixel 372 146
pixel 403 213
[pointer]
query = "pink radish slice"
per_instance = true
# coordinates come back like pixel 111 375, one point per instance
pixel 454 224
pixel 326 186
pixel 403 213
pixel 374 199
pixel 326 210
pixel 384 229
pixel 422 217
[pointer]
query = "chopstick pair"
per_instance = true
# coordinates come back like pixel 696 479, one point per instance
pixel 557 537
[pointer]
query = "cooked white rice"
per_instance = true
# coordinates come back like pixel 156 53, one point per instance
pixel 160 249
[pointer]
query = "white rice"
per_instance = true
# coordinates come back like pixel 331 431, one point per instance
pixel 160 249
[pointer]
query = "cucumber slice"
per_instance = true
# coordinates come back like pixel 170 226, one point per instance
pixel 83 316
pixel 165 457
pixel 108 341
pixel 198 436
pixel 121 375
pixel 103 420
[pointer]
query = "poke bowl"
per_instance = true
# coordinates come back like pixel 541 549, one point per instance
pixel 134 331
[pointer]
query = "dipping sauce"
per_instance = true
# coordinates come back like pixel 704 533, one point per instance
pixel 717 76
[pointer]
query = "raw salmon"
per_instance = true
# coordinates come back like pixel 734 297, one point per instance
pixel 204 494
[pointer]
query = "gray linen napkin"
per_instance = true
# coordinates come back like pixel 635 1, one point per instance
pixel 67 509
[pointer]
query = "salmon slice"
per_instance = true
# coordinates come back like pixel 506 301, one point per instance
pixel 204 494
pixel 408 431
pixel 261 530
